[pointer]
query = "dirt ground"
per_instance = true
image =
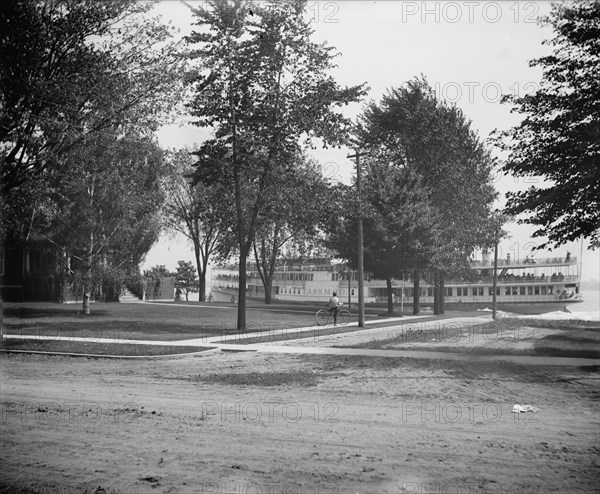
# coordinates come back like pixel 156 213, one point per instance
pixel 273 423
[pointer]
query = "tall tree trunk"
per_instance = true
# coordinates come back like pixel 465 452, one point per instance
pixel 441 304
pixel 86 296
pixel 268 290
pixel 204 272
pixel 201 273
pixel 265 264
pixel 390 295
pixel 202 286
pixel 271 272
pixel 87 289
pixel 86 302
pixel 436 292
pixel 87 276
pixel 241 322
pixel 416 292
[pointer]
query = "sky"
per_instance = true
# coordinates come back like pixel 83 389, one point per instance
pixel 471 52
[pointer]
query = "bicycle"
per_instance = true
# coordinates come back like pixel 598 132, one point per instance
pixel 323 316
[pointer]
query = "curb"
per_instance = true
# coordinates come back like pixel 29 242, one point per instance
pixel 126 357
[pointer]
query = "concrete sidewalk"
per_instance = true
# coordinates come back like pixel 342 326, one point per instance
pixel 218 339
pixel 325 341
pixel 365 352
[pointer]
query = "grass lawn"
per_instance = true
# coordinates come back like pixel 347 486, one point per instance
pixel 160 322
pixel 579 339
pixel 96 348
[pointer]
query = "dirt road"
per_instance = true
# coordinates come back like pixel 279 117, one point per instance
pixel 270 423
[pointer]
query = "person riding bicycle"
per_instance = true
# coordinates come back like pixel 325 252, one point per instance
pixel 334 307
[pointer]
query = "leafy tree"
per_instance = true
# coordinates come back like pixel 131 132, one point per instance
pixel 263 86
pixel 185 278
pixel 434 140
pixel 158 271
pixel 295 207
pixel 196 210
pixel 151 277
pixel 71 72
pixel 558 139
pixel 396 220
pixel 399 226
pixel 68 70
pixel 107 199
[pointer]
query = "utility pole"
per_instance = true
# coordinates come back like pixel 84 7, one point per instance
pixel 495 279
pixel 497 218
pixel 361 289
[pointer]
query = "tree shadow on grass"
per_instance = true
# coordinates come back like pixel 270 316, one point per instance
pixel 119 329
pixel 578 343
pixel 69 311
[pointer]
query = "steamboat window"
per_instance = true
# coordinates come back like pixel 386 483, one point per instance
pixel 550 289
pixel 515 290
pixel 537 290
pixel 521 290
pixel 507 291
pixel 544 288
pixel 529 290
pixel 430 291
